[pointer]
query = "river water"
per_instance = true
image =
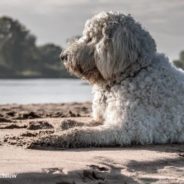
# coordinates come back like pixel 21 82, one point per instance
pixel 24 91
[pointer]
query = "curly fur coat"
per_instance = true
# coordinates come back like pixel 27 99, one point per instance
pixel 138 93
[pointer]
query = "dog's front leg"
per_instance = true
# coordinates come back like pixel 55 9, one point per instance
pixel 99 104
pixel 79 137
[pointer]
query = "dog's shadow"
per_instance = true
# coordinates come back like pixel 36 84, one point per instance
pixel 94 174
pixel 105 170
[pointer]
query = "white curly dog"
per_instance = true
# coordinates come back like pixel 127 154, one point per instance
pixel 138 93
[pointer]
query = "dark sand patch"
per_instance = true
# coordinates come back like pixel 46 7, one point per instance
pixel 36 121
pixel 35 125
pixel 13 126
pixel 32 111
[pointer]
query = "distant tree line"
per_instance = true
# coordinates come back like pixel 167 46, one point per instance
pixel 180 62
pixel 20 57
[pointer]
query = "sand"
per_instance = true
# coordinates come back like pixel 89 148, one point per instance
pixel 22 124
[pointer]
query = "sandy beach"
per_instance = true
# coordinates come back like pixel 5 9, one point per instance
pixel 22 124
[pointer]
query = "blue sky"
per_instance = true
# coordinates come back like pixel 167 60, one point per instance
pixel 57 20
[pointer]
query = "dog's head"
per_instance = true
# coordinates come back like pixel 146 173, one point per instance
pixel 111 43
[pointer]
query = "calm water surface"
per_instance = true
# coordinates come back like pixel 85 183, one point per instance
pixel 43 91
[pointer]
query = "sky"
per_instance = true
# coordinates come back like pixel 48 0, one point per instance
pixel 56 20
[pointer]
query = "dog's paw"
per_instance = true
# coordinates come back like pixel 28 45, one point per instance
pixel 66 139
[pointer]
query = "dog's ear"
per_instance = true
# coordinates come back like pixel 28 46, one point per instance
pixel 131 43
pixel 124 43
pixel 104 57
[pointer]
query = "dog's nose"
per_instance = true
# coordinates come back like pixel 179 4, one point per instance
pixel 63 56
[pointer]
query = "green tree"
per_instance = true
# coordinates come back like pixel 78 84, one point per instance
pixel 16 43
pixel 21 57
pixel 49 55
pixel 180 62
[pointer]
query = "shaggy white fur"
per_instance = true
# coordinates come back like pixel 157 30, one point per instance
pixel 138 94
